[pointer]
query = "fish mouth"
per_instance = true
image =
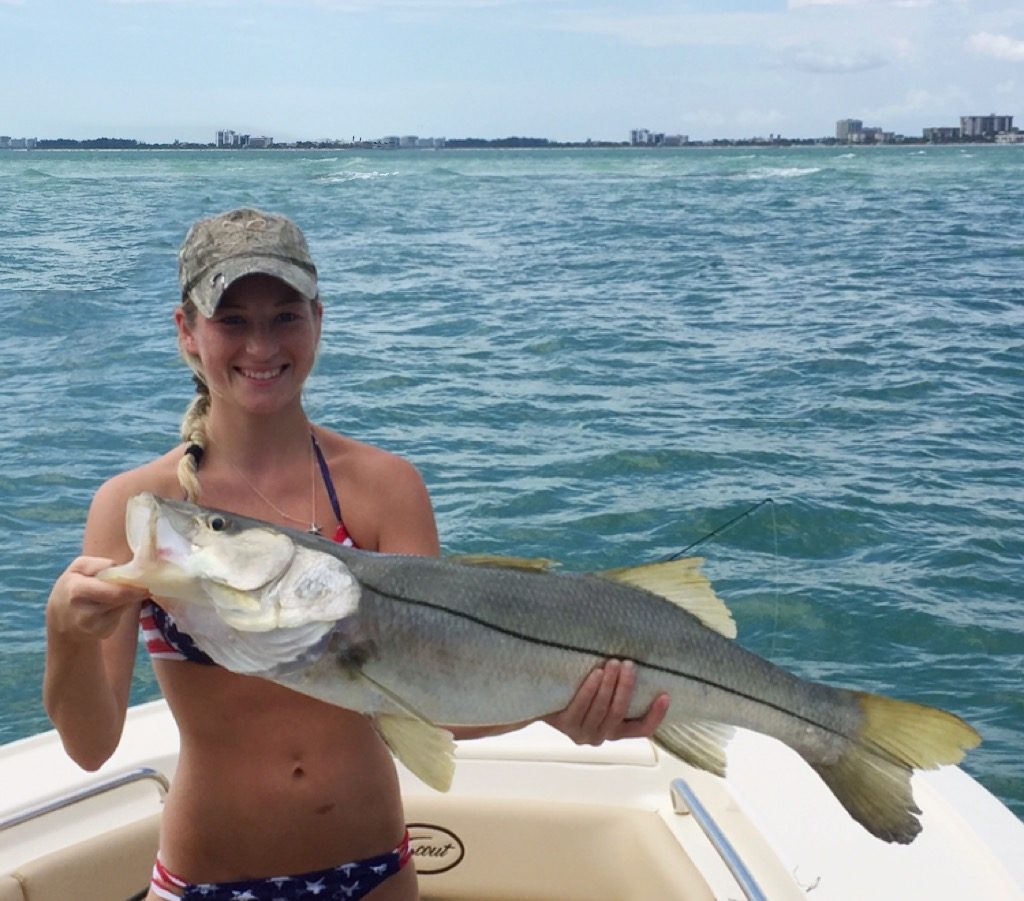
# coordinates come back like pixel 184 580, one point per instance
pixel 141 532
pixel 169 529
pixel 157 532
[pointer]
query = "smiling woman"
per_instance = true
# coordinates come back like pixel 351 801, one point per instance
pixel 251 277
pixel 313 785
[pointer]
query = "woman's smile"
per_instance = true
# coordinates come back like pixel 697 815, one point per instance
pixel 261 375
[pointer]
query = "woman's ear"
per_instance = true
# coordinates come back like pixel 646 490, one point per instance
pixel 186 338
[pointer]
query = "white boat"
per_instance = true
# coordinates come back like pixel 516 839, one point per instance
pixel 533 817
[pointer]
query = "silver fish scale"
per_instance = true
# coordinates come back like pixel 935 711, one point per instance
pixel 472 621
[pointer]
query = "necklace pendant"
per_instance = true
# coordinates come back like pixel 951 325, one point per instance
pixel 314 529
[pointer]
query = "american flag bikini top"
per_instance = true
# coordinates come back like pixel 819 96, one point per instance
pixel 165 641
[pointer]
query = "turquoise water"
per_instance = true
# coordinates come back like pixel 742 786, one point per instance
pixel 597 356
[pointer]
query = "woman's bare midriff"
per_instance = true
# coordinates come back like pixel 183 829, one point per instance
pixel 271 782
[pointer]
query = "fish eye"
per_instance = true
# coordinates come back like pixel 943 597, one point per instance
pixel 217 523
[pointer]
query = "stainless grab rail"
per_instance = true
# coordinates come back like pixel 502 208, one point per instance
pixel 685 800
pixel 90 791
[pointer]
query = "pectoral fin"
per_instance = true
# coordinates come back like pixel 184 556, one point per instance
pixel 427 750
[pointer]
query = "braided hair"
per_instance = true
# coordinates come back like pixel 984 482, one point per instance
pixel 193 424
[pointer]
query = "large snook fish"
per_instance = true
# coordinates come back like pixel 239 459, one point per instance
pixel 416 641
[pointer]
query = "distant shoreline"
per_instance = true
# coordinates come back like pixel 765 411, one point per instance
pixel 692 145
pixel 510 143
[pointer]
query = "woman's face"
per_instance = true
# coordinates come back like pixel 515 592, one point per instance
pixel 258 347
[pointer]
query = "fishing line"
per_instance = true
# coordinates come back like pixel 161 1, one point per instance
pixel 729 525
pixel 776 605
pixel 778 582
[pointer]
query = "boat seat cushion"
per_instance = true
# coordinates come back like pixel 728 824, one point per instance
pixel 113 866
pixel 508 850
pixel 10 889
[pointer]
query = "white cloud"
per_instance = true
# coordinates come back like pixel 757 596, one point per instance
pixel 819 60
pixel 999 46
pixel 740 120
pixel 361 6
pixel 211 3
pixel 899 4
pixel 920 104
pixel 405 6
pixel 675 30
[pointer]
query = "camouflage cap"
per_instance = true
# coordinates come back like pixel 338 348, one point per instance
pixel 222 249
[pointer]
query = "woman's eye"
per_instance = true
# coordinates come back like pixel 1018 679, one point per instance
pixel 218 523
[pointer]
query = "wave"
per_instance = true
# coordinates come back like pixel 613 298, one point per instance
pixel 333 178
pixel 779 172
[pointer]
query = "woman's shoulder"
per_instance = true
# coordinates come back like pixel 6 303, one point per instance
pixel 385 501
pixel 104 528
pixel 158 476
pixel 365 462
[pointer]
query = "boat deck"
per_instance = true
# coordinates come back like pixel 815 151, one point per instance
pixel 532 817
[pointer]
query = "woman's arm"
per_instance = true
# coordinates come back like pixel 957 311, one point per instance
pixel 92 629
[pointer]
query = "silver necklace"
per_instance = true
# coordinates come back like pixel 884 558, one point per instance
pixel 313 529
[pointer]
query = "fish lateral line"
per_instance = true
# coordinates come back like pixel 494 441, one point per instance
pixel 605 655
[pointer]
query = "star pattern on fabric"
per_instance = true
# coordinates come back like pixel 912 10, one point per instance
pixel 346 882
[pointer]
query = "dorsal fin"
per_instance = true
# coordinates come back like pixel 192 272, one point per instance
pixel 682 583
pixel 529 564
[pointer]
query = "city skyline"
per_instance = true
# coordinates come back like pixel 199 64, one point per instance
pixel 165 70
pixel 997 126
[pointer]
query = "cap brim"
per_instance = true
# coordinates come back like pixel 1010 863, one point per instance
pixel 206 294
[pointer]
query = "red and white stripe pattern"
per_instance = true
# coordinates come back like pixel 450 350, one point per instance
pixel 156 642
pixel 165 884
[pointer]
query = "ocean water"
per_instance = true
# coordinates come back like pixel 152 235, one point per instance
pixel 593 355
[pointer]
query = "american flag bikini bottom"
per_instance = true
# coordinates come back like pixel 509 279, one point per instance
pixel 348 882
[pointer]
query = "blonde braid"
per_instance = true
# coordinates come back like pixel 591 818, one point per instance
pixel 193 433
pixel 193 424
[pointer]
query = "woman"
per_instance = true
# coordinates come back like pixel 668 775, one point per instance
pixel 273 788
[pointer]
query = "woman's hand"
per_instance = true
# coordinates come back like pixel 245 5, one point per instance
pixel 597 713
pixel 83 606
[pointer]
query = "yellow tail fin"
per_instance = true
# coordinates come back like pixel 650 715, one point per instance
pixel 872 778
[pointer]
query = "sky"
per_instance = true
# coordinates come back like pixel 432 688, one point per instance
pixel 567 70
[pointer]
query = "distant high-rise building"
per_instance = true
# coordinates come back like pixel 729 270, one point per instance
pixel 941 134
pixel 643 137
pixel 985 126
pixel 847 129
